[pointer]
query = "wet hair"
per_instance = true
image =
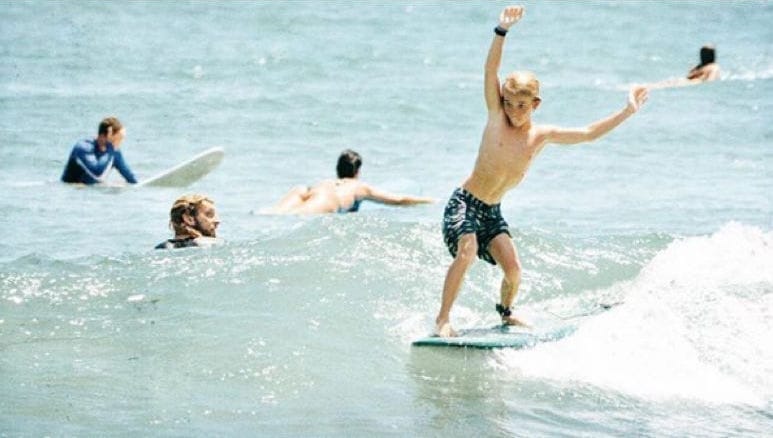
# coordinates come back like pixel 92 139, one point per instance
pixel 186 204
pixel 348 164
pixel 107 123
pixel 708 54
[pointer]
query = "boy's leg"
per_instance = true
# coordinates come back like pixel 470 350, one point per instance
pixel 502 249
pixel 465 255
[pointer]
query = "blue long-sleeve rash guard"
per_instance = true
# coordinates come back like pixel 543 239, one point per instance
pixel 89 165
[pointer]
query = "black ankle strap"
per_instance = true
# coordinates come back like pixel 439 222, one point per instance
pixel 504 311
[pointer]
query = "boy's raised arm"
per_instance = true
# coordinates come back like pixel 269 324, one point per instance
pixel 636 97
pixel 509 16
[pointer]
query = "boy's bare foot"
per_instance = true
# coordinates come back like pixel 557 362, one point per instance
pixel 444 330
pixel 514 320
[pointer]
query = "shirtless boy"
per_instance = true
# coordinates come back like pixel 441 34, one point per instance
pixel 472 223
pixel 342 195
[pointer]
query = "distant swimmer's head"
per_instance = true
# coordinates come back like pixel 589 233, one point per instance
pixel 112 130
pixel 349 163
pixel 520 96
pixel 708 54
pixel 194 216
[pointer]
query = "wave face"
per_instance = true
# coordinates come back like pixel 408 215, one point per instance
pixel 246 332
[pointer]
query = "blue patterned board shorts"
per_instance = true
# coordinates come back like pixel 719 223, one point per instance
pixel 466 214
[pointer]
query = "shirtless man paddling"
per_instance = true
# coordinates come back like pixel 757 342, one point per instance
pixel 341 195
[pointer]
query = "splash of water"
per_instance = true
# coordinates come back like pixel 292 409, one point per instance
pixel 698 312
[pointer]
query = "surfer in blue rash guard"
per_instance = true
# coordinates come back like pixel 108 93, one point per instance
pixel 91 160
pixel 194 221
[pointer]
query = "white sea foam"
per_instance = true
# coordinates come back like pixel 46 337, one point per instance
pixel 694 325
pixel 742 74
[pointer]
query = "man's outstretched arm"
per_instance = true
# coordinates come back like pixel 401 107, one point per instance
pixel 636 97
pixel 123 168
pixel 509 16
pixel 380 196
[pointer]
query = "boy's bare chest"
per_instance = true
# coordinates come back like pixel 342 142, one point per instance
pixel 508 149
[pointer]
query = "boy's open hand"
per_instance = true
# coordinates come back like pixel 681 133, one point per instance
pixel 510 15
pixel 636 97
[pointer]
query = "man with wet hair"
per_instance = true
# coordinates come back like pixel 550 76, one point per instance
pixel 194 220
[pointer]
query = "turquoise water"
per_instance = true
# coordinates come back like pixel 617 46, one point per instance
pixel 302 326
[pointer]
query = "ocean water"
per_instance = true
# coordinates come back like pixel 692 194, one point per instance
pixel 302 326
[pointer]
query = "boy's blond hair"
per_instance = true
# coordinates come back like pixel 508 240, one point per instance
pixel 521 83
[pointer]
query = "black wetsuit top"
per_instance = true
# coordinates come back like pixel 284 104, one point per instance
pixel 177 243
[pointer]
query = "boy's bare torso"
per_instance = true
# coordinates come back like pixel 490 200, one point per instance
pixel 504 157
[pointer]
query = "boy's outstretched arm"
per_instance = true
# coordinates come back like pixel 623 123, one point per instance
pixel 509 16
pixel 636 97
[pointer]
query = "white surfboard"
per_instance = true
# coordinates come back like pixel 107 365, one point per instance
pixel 499 336
pixel 187 173
pixel 547 329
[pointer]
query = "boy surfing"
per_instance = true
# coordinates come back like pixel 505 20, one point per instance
pixel 472 222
